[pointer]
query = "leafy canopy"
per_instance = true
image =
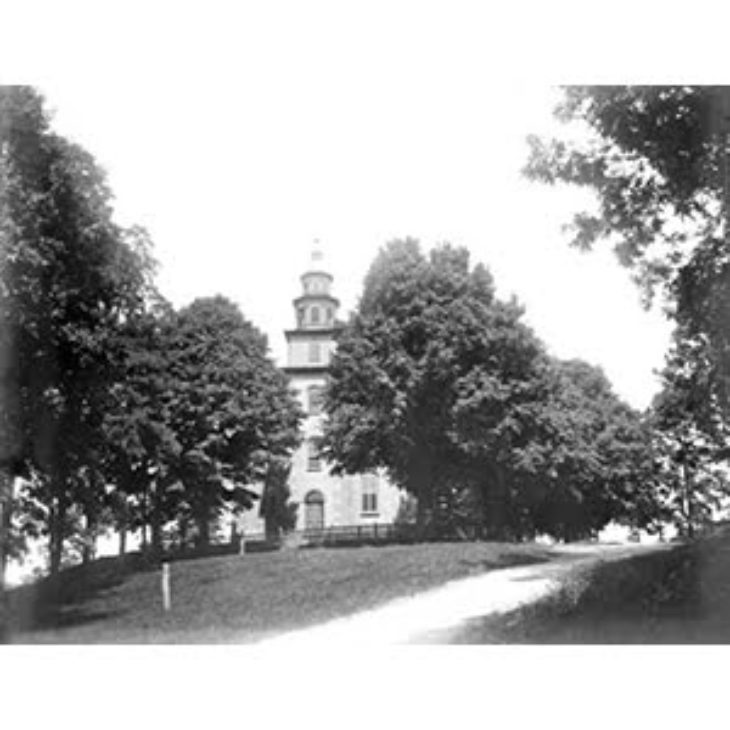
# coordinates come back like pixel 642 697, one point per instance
pixel 440 383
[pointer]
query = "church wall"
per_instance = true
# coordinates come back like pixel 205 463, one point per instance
pixel 343 494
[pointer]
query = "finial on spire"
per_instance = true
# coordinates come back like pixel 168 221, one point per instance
pixel 316 250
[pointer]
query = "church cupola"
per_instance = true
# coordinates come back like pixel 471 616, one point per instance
pixel 316 308
pixel 312 342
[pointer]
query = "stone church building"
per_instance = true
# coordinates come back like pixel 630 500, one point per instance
pixel 323 500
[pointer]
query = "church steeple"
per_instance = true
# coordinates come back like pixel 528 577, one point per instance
pixel 312 342
pixel 316 308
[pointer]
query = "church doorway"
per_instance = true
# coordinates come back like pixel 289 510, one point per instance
pixel 314 511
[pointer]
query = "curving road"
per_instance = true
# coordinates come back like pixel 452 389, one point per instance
pixel 437 615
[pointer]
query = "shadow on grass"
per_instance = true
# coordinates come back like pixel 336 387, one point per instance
pixel 512 560
pixel 66 600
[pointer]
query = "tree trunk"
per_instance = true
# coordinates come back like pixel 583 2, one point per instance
pixel 234 532
pixel 122 540
pixel 496 507
pixel 145 516
pixel 156 529
pixel 183 528
pixel 271 528
pixel 6 494
pixel 57 517
pixel 687 500
pixel 89 550
pixel 3 552
pixel 156 520
pixel 3 562
pixel 203 524
pixel 424 502
pixel 421 514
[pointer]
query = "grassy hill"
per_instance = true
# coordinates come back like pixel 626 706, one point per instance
pixel 240 598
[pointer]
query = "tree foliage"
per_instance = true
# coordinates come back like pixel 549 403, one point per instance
pixel 655 159
pixel 690 437
pixel 199 415
pixel 69 276
pixel 440 383
pixel 423 328
pixel 234 410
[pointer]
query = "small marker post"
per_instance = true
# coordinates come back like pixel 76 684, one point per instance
pixel 166 586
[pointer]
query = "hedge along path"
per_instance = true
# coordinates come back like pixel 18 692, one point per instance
pixel 437 614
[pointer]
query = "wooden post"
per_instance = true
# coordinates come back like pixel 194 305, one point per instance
pixel 166 586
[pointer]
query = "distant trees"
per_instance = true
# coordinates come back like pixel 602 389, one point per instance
pixel 591 458
pixel 441 384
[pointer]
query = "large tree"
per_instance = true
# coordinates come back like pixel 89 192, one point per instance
pixel 69 276
pixel 233 412
pixel 657 160
pixel 427 329
pixel 441 383
pixel 141 446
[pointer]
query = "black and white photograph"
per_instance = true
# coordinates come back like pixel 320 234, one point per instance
pixel 331 327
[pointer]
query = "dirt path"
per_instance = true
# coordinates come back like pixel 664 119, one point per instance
pixel 439 612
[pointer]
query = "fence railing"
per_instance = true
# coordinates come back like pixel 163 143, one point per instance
pixel 336 535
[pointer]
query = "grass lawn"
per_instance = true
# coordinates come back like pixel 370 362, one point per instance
pixel 243 598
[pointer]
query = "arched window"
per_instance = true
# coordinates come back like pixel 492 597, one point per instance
pixel 314 398
pixel 314 510
pixel 314 314
pixel 329 315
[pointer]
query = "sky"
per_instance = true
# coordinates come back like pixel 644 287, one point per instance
pixel 237 137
